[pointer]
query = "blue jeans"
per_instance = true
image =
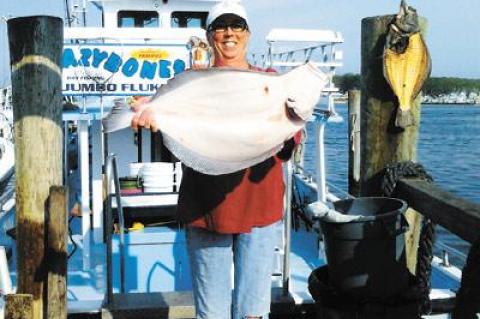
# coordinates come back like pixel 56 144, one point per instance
pixel 211 257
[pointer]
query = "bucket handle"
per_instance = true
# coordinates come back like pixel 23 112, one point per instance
pixel 404 226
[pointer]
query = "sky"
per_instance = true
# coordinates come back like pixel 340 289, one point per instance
pixel 452 34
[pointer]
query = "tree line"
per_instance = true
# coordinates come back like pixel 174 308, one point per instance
pixel 434 86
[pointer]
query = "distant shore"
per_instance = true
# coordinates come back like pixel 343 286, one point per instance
pixel 451 104
pixel 427 100
pixel 345 101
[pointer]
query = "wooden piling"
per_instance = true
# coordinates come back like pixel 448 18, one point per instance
pixel 35 51
pixel 56 253
pixel 18 306
pixel 381 143
pixel 354 142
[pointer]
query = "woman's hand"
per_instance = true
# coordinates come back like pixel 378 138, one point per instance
pixel 137 101
pixel 144 114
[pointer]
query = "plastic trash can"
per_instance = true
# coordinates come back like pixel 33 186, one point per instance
pixel 366 259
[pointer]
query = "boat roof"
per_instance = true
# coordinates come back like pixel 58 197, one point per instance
pixel 168 36
pixel 154 1
pixel 305 35
pixel 106 4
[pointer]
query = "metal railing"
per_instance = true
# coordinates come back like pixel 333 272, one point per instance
pixel 112 176
pixel 448 250
pixel 319 48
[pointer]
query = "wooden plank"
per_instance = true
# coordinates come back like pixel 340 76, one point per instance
pixel 180 305
pixel 57 253
pixel 412 238
pixel 150 305
pixel 354 142
pixel 456 214
pixel 19 306
pixel 35 53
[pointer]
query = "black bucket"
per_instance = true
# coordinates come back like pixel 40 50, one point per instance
pixel 366 259
pixel 332 305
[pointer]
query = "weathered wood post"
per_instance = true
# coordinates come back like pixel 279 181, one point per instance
pixel 380 142
pixel 18 306
pixel 56 253
pixel 35 51
pixel 354 142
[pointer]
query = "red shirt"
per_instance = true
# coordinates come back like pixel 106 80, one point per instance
pixel 234 203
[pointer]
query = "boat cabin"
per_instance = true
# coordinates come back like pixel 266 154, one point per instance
pixel 156 14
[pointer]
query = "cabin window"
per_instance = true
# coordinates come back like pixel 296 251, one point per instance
pixel 185 19
pixel 138 19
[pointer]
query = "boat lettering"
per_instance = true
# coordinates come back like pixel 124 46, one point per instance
pixel 113 62
pixel 99 69
pixel 110 87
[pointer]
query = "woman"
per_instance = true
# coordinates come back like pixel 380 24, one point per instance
pixel 231 218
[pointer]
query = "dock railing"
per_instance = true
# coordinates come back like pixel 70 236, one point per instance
pixel 460 217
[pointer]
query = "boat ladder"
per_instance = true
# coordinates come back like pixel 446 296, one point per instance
pixel 172 304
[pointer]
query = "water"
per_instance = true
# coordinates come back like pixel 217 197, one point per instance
pixel 448 147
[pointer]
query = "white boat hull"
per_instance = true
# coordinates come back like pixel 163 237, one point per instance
pixel 7 161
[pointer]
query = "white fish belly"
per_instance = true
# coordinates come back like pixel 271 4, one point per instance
pixel 231 126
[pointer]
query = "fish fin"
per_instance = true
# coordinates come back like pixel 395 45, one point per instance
pixel 294 112
pixel 119 118
pixel 404 118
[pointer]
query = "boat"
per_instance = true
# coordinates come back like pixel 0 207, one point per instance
pixel 7 160
pixel 6 138
pixel 142 269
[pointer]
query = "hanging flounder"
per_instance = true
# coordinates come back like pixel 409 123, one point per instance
pixel 221 120
pixel 406 62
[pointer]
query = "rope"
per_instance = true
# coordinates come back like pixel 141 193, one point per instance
pixel 70 235
pixel 467 303
pixel 298 206
pixel 393 172
pixel 424 265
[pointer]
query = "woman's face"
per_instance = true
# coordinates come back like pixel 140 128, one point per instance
pixel 229 42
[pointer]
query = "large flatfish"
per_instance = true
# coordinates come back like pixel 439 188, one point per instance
pixel 221 120
pixel 406 62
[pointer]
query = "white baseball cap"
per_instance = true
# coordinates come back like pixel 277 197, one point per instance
pixel 226 7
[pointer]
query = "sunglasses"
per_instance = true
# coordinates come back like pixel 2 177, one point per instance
pixel 222 26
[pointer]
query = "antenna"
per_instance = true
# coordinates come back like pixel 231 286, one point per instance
pixel 67 12
pixel 79 12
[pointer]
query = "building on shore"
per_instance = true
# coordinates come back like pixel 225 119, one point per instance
pixel 453 98
pixel 6 98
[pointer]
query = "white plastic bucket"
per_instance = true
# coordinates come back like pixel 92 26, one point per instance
pixel 135 169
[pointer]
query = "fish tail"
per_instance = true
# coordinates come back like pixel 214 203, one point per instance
pixel 404 118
